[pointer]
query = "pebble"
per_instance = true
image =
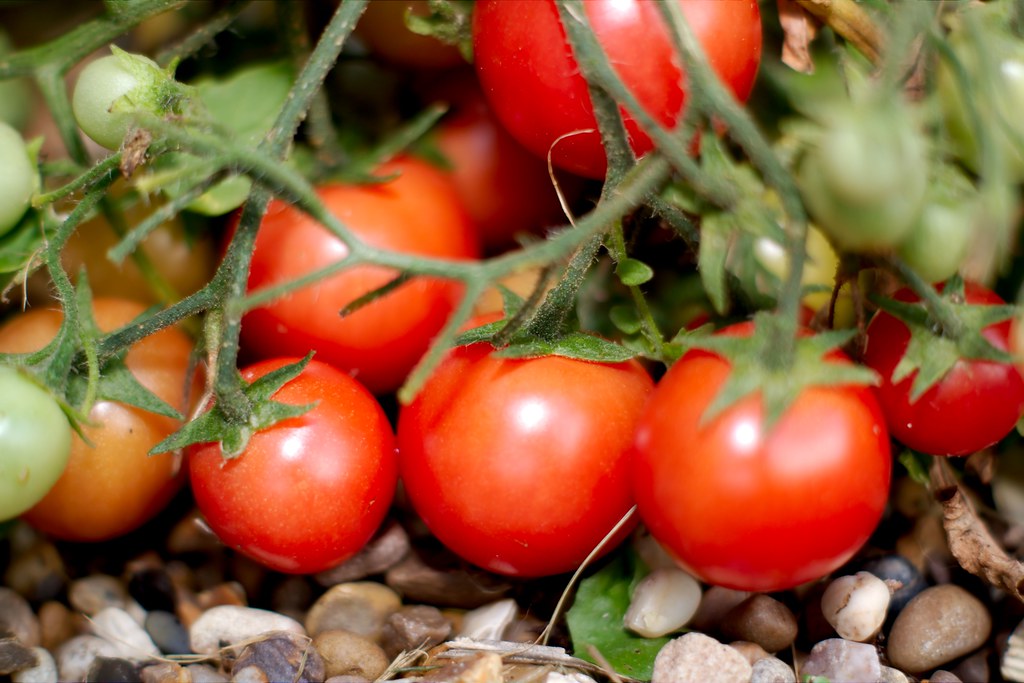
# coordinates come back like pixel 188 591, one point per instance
pixel 1012 664
pixel 76 655
pixel 14 656
pixel 898 569
pixel 152 588
pixel 490 621
pixel 449 586
pixel 414 627
pixel 482 668
pixel 772 670
pixel 168 633
pixel 698 658
pixel 226 625
pixel 92 594
pixel 279 656
pixel 56 624
pixel 891 675
pixel 384 551
pixel 752 652
pixel 663 602
pixel 165 672
pixel 118 627
pixel 714 604
pixel 204 673
pixel 44 671
pixel 112 670
pixel 38 573
pixel 348 654
pixel 843 660
pixel 763 620
pixel 855 605
pixel 943 676
pixel 17 618
pixel 360 607
pixel 939 625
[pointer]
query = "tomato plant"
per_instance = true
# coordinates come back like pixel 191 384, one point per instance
pixel 974 405
pixel 111 484
pixel 534 85
pixel 382 27
pixel 35 439
pixel 418 211
pixel 752 507
pixel 519 465
pixel 506 189
pixel 17 177
pixel 309 492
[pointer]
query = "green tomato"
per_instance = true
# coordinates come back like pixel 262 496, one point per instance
pixel 864 177
pixel 35 442
pixel 937 245
pixel 15 97
pixel 17 177
pixel 112 89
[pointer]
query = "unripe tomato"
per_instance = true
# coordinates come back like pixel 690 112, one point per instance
pixel 111 484
pixel 18 178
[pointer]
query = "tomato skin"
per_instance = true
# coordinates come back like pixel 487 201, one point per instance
pixel 533 83
pixel 417 212
pixel 753 511
pixel 35 440
pixel 18 177
pixel 519 465
pixel 308 492
pixel 975 405
pixel 506 189
pixel 113 486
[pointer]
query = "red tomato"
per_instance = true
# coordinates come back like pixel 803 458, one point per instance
pixel 308 492
pixel 533 83
pixel 382 26
pixel 754 510
pixel 111 484
pixel 973 406
pixel 506 189
pixel 418 212
pixel 519 465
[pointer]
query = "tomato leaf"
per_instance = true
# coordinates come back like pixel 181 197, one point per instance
pixel 214 426
pixel 917 466
pixel 596 617
pixel 714 250
pixel 573 345
pixel 625 318
pixel 633 273
pixel 117 383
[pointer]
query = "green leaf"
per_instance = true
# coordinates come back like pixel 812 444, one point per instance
pixel 917 466
pixel 625 318
pixel 596 617
pixel 20 247
pixel 633 273
pixel 715 231
pixel 214 426
pixel 573 345
pixel 117 383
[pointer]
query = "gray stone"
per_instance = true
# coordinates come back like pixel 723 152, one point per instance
pixel 763 620
pixel 414 627
pixel 490 621
pixel 279 656
pixel 92 594
pixel 698 658
pixel 772 670
pixel 17 618
pixel 112 670
pixel 939 625
pixel 350 654
pixel 843 660
pixel 226 625
pixel 204 673
pixel 168 633
pixel 14 656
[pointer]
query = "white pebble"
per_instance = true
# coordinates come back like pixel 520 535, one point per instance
pixel 231 624
pixel 856 605
pixel 115 625
pixel 76 655
pixel 664 601
pixel 490 621
pixel 45 671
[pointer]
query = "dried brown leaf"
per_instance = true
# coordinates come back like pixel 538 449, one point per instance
pixel 970 540
pixel 798 28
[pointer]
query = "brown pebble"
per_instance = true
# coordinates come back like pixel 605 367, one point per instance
pixel 166 672
pixel 938 625
pixel 15 657
pixel 449 586
pixel 385 550
pixel 17 618
pixel 414 627
pixel 763 620
pixel 714 604
pixel 57 624
pixel 481 668
pixel 279 656
pixel 751 651
pixel 349 654
pixel 360 607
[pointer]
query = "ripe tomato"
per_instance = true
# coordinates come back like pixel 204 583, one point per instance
pixel 519 465
pixel 505 188
pixel 382 27
pixel 754 510
pixel 534 85
pixel 419 212
pixel 973 406
pixel 114 485
pixel 35 440
pixel 308 492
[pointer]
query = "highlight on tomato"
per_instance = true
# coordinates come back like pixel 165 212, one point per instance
pixel 519 466
pixel 308 492
pixel 417 211
pixel 534 85
pixel 753 508
pixel 111 484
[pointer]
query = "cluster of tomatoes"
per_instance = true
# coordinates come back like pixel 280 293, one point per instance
pixel 523 466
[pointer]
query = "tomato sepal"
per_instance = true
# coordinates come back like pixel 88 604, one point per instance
pixel 214 425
